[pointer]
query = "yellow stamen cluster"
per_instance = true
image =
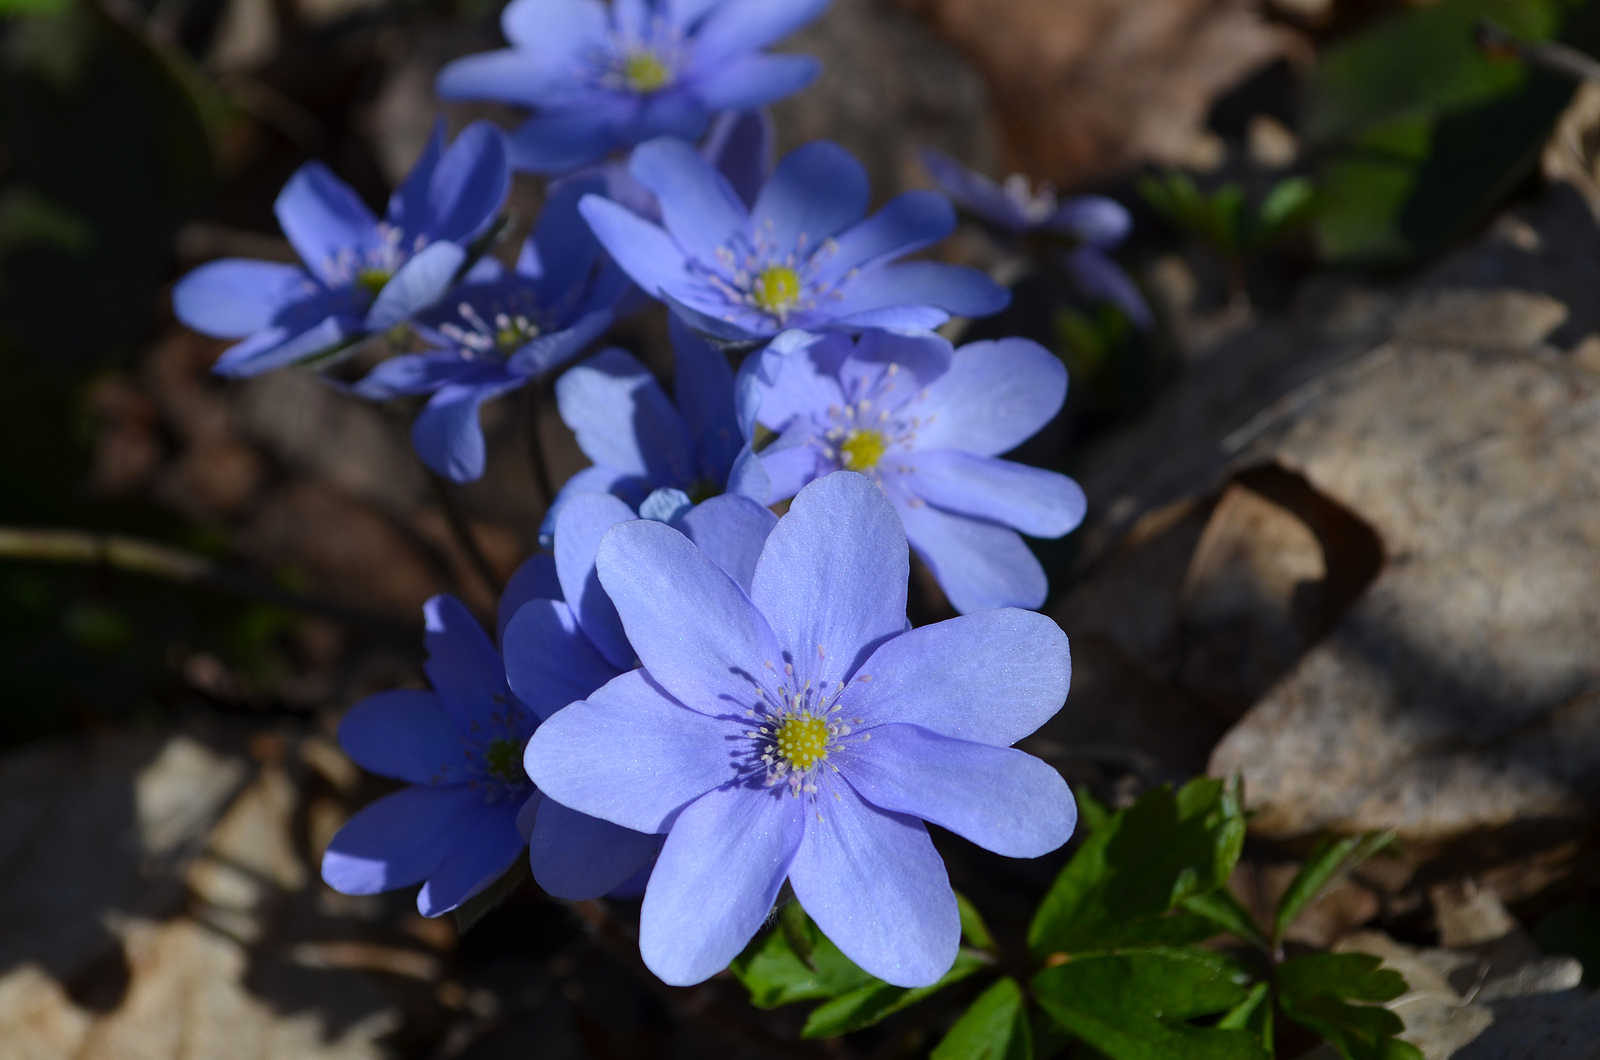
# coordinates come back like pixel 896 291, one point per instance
pixel 502 759
pixel 862 449
pixel 776 289
pixel 646 73
pixel 373 279
pixel 803 741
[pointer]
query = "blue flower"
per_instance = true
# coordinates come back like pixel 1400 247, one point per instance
pixel 799 731
pixel 1093 222
pixel 640 441
pixel 501 328
pixel 563 641
pixel 802 256
pixel 361 275
pixel 600 79
pixel 926 423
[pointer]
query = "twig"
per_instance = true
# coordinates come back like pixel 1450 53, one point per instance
pixel 1496 40
pixel 135 556
pixel 533 397
pixel 461 530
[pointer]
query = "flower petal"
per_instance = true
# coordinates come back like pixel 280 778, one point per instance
pixel 463 667
pixel 1000 798
pixel 746 25
pixel 1095 219
pixel 1038 502
pixel 557 348
pixel 235 297
pixel 876 887
pixel 578 857
pixel 397 840
pixel 403 733
pixel 510 75
pixel 280 346
pixel 832 579
pixel 631 754
pixel 589 480
pixel 977 563
pixel 790 470
pixel 995 396
pixel 624 420
pixel 446 433
pixel 907 222
pixel 465 189
pixel 413 373
pixel 563 241
pixel 732 530
pixel 816 191
pixel 739 145
pixel 756 80
pixel 324 218
pixel 991 677
pixel 576 134
pixel 702 382
pixel 549 662
pixel 697 205
pixel 416 285
pixel 695 630
pixel 954 288
pixel 643 250
pixel 895 318
pixel 1099 277
pixel 580 527
pixel 974 191
pixel 535 579
pixel 486 846
pixel 556 27
pixel 719 872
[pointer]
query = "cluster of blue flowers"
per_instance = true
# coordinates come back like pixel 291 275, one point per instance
pixel 692 698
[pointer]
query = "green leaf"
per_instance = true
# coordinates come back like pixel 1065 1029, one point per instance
pixel 1315 991
pixel 1223 910
pixel 1287 204
pixel 996 1027
pixel 1135 1005
pixel 1137 866
pixel 473 909
pixel 1327 861
pixel 1251 1014
pixel 795 962
pixel 878 1000
pixel 973 929
pixel 1092 813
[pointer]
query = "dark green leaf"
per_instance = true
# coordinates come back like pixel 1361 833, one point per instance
pixel 1327 861
pixel 1223 910
pixel 1134 1006
pixel 1253 1014
pixel 878 1000
pixel 473 909
pixel 995 1028
pixel 1316 992
pixel 1138 865
pixel 1288 203
pixel 1092 813
pixel 795 962
pixel 973 929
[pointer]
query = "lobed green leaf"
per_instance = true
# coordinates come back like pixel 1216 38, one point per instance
pixel 995 1027
pixel 1316 992
pixel 878 1000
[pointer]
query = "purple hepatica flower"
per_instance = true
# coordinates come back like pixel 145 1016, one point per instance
pixel 1093 222
pixel 801 257
pixel 361 275
pixel 640 441
pixel 926 423
pixel 565 644
pixel 799 731
pixel 603 79
pixel 499 329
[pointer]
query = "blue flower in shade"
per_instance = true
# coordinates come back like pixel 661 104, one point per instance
pixel 501 328
pixel 641 442
pixel 799 731
pixel 801 257
pixel 1093 222
pixel 926 423
pixel 738 145
pixel 564 640
pixel 361 275
pixel 600 79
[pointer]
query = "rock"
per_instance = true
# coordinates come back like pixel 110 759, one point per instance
pixel 1093 89
pixel 1455 694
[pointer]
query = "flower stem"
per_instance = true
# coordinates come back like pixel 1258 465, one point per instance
pixel 136 556
pixel 461 530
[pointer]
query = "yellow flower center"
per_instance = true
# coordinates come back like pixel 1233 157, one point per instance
pixel 803 741
pixel 776 289
pixel 645 73
pixel 862 449
pixel 502 759
pixel 373 279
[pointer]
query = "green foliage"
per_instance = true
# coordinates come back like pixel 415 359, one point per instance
pixel 995 1028
pixel 1137 867
pixel 1419 132
pixel 1328 860
pixel 867 1005
pixel 1223 219
pixel 1317 992
pixel 1136 1006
